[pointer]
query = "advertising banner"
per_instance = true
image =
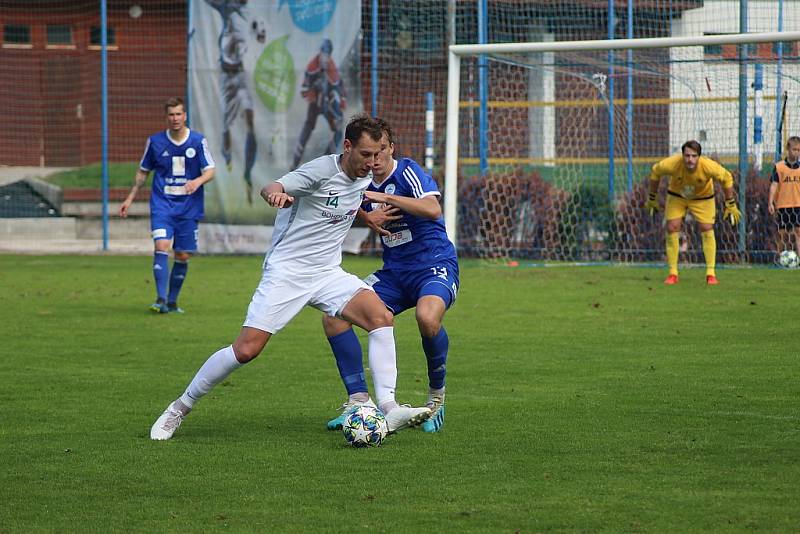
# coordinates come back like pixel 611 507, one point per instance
pixel 271 85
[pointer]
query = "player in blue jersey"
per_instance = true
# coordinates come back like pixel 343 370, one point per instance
pixel 234 93
pixel 317 204
pixel 182 164
pixel 420 270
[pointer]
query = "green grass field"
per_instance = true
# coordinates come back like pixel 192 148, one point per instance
pixel 579 399
pixel 91 176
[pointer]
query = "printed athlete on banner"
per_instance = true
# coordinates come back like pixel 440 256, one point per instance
pixel 234 93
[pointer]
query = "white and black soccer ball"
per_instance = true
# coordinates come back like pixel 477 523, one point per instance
pixel 259 30
pixel 789 259
pixel 365 426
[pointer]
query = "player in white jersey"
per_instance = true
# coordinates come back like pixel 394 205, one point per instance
pixel 235 95
pixel 318 203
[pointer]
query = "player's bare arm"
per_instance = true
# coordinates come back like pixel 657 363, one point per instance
pixel 427 207
pixel 138 182
pixel 275 196
pixel 193 185
pixel 729 193
pixel 773 190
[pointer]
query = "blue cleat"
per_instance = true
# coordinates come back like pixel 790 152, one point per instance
pixel 173 308
pixel 337 422
pixel 158 307
pixel 436 420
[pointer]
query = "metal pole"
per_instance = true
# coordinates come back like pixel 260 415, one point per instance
pixel 104 116
pixel 189 66
pixel 743 163
pixel 611 24
pixel 758 117
pixel 778 89
pixel 624 44
pixel 483 89
pixel 629 110
pixel 451 150
pixel 429 116
pixel 374 58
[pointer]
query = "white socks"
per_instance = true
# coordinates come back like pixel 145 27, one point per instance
pixel 215 370
pixel 360 397
pixel 383 364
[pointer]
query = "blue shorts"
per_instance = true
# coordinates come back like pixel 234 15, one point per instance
pixel 401 289
pixel 183 232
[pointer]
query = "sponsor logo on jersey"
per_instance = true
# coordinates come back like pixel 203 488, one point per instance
pixel 338 217
pixel 165 154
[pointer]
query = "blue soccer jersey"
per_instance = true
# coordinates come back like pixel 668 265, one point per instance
pixel 173 164
pixel 414 241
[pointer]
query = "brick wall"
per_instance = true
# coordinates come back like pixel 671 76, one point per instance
pixel 51 95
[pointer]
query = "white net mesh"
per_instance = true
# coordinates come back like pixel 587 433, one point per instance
pixel 570 147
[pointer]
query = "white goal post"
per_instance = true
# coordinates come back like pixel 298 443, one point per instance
pixel 454 83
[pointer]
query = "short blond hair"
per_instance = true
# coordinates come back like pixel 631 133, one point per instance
pixel 173 102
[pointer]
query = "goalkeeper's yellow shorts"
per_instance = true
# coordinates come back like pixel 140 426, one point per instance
pixel 703 210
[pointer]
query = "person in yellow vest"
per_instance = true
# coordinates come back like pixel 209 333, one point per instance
pixel 691 189
pixel 784 193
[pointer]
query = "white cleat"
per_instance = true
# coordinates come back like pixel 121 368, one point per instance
pixel 166 425
pixel 405 416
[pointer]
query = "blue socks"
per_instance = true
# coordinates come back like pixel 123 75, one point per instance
pixel 161 273
pixel 347 350
pixel 176 279
pixel 436 353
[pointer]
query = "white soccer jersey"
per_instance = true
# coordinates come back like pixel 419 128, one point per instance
pixel 308 236
pixel 232 40
pixel 233 44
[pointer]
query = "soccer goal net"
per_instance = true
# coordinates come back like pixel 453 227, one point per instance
pixel 549 144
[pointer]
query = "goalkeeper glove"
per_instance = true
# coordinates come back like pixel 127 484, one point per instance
pixel 732 213
pixel 652 204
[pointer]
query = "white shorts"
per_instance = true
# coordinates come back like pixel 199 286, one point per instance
pixel 235 96
pixel 279 298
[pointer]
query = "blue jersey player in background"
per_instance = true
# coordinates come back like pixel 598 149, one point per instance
pixel 182 164
pixel 420 270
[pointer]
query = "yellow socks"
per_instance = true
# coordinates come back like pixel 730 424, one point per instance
pixel 709 251
pixel 673 242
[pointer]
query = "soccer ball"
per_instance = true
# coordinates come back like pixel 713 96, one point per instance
pixel 259 29
pixel 789 259
pixel 365 426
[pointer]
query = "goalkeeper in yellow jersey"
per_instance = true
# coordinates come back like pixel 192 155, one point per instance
pixel 691 189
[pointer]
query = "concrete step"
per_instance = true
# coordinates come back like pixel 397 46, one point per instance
pixel 130 228
pixel 95 209
pixel 38 228
pixel 58 228
pixel 88 202
pixel 139 247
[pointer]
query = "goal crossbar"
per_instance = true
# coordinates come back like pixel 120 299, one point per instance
pixel 454 81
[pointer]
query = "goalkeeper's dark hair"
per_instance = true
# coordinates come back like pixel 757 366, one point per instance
pixel 694 145
pixel 173 102
pixel 793 140
pixel 364 124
